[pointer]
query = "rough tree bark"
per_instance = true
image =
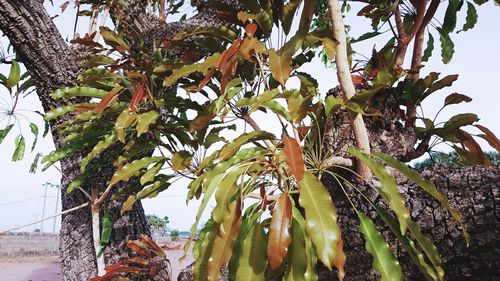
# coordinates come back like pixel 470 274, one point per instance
pixel 53 64
pixel 474 191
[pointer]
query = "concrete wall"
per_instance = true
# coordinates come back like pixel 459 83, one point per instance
pixel 28 244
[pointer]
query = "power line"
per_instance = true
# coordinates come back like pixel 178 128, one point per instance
pixel 20 201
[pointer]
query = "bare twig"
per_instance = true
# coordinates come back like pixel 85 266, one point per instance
pixel 345 80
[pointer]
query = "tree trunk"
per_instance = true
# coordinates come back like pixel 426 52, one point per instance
pixel 474 191
pixel 53 64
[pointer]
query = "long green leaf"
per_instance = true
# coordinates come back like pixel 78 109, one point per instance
pixel 212 182
pixel 132 169
pixel 427 186
pixel 416 256
pixel 321 218
pixel 14 75
pixel 4 132
pixel 20 148
pixel 224 193
pixel 78 92
pixel 222 247
pixel 471 19
pixel 388 187
pixel 34 131
pixel 202 250
pixel 447 46
pixel 428 50
pixel 383 259
pixel 102 145
pixel 230 149
pixel 145 120
pixel 252 261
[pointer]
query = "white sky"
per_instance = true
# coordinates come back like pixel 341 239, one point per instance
pixel 476 59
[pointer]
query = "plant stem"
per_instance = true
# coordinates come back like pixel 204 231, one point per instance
pixel 96 235
pixel 345 80
pixel 256 127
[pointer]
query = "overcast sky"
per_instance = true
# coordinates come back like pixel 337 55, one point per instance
pixel 476 59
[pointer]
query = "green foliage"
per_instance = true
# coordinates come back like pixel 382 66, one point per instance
pixel 180 110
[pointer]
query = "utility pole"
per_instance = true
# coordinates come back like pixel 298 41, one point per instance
pixel 44 203
pixel 57 205
pixel 46 185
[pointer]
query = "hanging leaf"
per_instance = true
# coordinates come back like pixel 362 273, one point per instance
pixel 309 252
pixel 447 46
pixel 224 193
pixel 279 231
pixel 471 18
pixel 145 120
pixel 296 260
pixel 20 148
pixel 416 256
pixel 222 247
pixel 14 75
pixel 489 136
pixel 428 50
pixel 252 261
pixel 280 67
pixel 426 185
pixel 450 16
pixel 383 259
pixel 294 157
pixel 181 160
pixel 388 188
pixel 287 15
pixel 321 218
pixel 132 169
pixel 107 227
pixel 4 132
pixel 202 250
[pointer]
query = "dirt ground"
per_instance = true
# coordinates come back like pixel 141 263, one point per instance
pixel 48 268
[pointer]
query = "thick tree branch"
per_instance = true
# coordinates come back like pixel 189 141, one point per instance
pixel 345 80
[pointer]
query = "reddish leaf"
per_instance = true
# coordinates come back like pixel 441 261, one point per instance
pixel 64 6
pixel 138 247
pixel 469 142
pixel 137 97
pixel 152 245
pixel 357 79
pixel 294 157
pixel 489 137
pixel 303 130
pixel 250 29
pixel 120 268
pixel 228 63
pixel 456 98
pixel 340 259
pixel 85 107
pixel 108 99
pixel 279 231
